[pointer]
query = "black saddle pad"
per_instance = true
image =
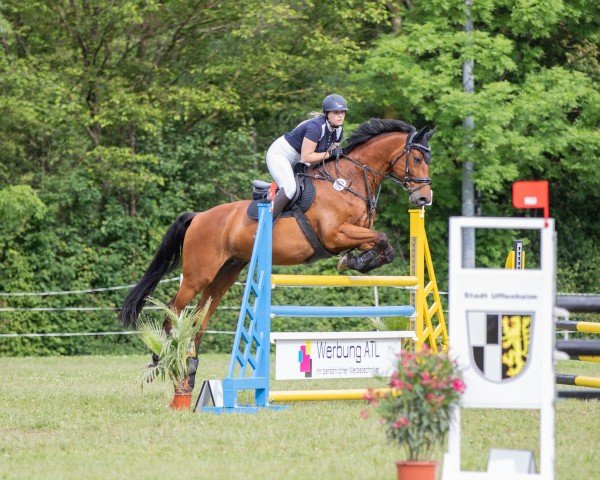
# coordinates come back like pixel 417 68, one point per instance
pixel 304 201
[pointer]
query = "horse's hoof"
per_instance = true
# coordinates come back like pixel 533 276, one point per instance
pixel 342 263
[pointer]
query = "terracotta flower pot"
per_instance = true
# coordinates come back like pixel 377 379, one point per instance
pixel 412 470
pixel 181 401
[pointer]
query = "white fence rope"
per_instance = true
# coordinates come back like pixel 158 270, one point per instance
pixel 86 290
pixel 76 292
pixel 83 309
pixel 88 334
pixel 95 309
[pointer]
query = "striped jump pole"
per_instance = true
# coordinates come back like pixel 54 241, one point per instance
pixel 325 395
pixel 579 303
pixel 584 327
pixel 327 311
pixel 343 281
pixel 584 350
pixel 337 312
pixel 578 380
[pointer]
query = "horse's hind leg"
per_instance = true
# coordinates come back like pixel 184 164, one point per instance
pixel 222 282
pixel 195 280
pixel 186 293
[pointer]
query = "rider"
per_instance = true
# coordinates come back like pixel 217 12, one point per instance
pixel 312 141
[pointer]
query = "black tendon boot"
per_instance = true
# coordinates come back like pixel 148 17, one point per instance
pixel 279 203
pixel 364 262
pixel 192 368
pixel 154 361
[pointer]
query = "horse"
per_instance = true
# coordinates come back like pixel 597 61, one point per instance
pixel 213 246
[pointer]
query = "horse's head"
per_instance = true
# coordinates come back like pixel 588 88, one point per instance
pixel 403 157
pixel 412 166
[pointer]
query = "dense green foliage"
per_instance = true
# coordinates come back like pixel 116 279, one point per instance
pixel 116 116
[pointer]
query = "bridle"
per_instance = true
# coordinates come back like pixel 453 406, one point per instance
pixel 408 178
pixel 369 199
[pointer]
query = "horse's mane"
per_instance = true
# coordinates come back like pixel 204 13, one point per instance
pixel 371 128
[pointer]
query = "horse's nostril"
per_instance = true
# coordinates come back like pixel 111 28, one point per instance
pixel 423 201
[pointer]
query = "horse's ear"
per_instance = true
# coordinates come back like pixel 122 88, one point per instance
pixel 420 133
pixel 430 133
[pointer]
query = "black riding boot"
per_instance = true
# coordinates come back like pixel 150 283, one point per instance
pixel 279 203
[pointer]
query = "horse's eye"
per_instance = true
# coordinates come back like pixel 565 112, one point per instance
pixel 417 160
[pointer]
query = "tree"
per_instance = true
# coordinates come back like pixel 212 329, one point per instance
pixel 532 107
pixel 116 116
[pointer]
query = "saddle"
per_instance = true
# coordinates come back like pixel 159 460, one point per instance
pixel 300 203
pixel 303 198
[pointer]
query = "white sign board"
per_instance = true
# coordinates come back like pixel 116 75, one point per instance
pixel 318 355
pixel 502 335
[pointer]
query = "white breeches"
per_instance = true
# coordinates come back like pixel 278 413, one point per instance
pixel 281 156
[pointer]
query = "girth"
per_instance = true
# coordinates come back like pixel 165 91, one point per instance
pixel 303 199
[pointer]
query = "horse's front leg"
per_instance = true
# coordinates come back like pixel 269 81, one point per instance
pixel 375 245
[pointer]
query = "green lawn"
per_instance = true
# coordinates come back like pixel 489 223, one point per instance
pixel 85 417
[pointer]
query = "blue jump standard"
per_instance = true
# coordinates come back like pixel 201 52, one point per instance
pixel 303 311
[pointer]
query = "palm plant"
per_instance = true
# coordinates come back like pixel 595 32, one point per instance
pixel 174 348
pixel 394 324
pixel 390 323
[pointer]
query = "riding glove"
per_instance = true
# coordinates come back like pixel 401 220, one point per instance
pixel 335 152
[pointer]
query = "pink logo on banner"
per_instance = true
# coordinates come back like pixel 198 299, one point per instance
pixel 304 359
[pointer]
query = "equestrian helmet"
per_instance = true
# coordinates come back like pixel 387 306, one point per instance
pixel 334 102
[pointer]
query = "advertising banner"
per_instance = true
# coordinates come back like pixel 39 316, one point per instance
pixel 318 355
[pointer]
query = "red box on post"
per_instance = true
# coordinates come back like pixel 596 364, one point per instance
pixel 532 194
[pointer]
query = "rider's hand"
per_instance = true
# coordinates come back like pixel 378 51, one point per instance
pixel 335 151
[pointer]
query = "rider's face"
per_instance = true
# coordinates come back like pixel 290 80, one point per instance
pixel 336 117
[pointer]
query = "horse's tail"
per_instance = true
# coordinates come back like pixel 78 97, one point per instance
pixel 166 259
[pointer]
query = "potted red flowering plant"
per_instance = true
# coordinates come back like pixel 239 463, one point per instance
pixel 424 389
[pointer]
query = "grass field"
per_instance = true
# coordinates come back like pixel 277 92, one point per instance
pixel 86 418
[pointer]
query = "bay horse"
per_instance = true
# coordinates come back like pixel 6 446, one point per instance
pixel 214 246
